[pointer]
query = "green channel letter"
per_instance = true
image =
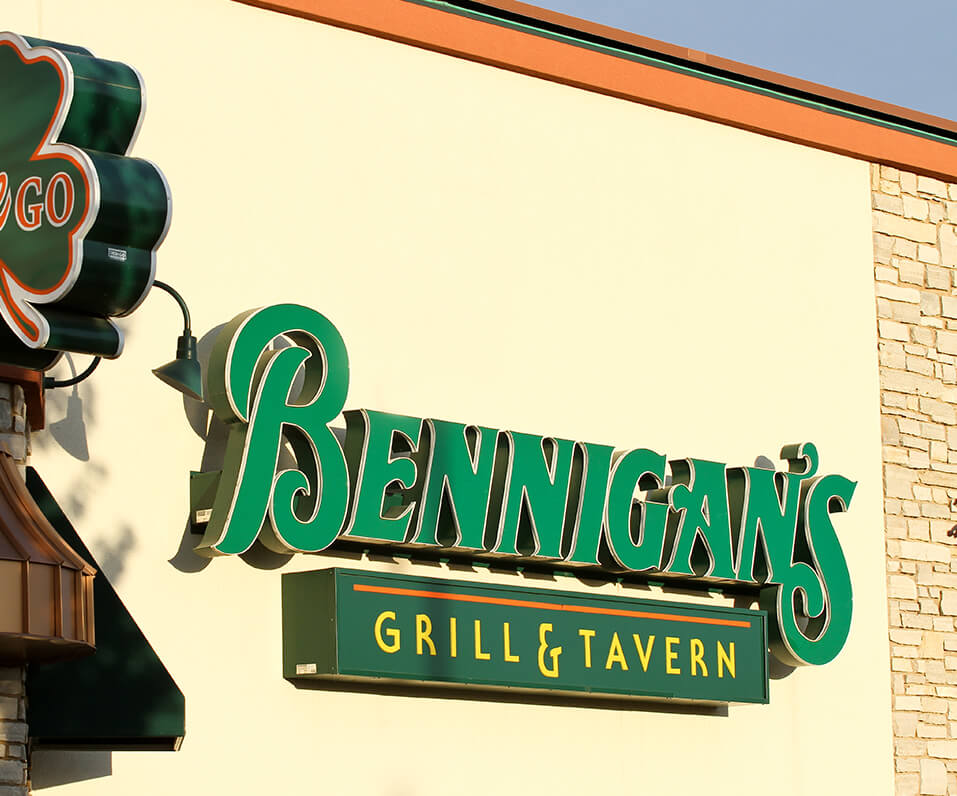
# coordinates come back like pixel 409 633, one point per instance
pixel 765 506
pixel 624 515
pixel 819 579
pixel 699 500
pixel 458 485
pixel 536 496
pixel 380 473
pixel 250 389
pixel 589 480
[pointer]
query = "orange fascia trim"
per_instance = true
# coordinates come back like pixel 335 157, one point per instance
pixel 560 62
pixel 546 606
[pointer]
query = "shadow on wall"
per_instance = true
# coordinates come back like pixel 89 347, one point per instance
pixel 50 768
pixel 72 413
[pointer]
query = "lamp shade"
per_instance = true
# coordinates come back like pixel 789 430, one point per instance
pixel 46 589
pixel 183 373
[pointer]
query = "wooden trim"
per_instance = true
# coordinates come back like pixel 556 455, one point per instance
pixel 539 56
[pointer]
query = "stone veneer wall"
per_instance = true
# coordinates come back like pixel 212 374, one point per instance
pixel 915 254
pixel 13 732
pixel 14 428
pixel 15 441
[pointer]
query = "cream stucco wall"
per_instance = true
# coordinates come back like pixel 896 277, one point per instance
pixel 494 249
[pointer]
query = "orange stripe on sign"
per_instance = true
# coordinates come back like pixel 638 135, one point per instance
pixel 574 609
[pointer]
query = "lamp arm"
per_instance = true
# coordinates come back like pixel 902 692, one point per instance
pixel 50 382
pixel 179 300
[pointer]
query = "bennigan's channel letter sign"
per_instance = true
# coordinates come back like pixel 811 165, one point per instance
pixel 346 625
pixel 496 494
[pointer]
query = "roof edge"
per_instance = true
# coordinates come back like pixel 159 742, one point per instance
pixel 529 40
pixel 697 59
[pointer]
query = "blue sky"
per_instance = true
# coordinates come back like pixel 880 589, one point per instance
pixel 900 52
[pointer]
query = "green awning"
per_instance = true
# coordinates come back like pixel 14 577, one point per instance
pixel 121 697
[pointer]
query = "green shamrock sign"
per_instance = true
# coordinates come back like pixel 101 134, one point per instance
pixel 80 221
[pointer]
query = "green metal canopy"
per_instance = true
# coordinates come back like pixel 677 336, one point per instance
pixel 120 698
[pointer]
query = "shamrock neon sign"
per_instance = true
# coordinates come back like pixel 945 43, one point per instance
pixel 80 220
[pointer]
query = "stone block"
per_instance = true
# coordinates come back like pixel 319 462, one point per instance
pixel 945 749
pixel 12 772
pixel 905 724
pixel 883 273
pixel 889 430
pixel 907 785
pixel 898 481
pixel 909 638
pixel 946 341
pixel 929 302
pixel 908 182
pixel 892 357
pixel 911 383
pixel 907 702
pixel 923 335
pixel 934 511
pixel 11 678
pixel 918 231
pixel 917 621
pixel 910 295
pixel 938 278
pixel 894 455
pixel 892 204
pixel 15 731
pixel 902 311
pixel 938 411
pixel 928 254
pixel 9 707
pixel 883 249
pixel 14 445
pixel 948 244
pixel 933 778
pixel 902 587
pixel 948 602
pixel 931 186
pixel 892 330
pixel 939 478
pixel 919 460
pixel 911 206
pixel 903 248
pixel 13 790
pixel 909 271
pixel 931 731
pixel 924 551
pixel 933 705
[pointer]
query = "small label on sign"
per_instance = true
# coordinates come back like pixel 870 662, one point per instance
pixel 203 516
pixel 305 668
pixel 116 254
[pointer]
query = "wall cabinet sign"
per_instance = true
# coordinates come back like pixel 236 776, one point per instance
pixel 80 220
pixel 349 625
pixel 419 482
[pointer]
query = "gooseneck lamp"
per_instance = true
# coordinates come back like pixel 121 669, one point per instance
pixel 182 373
